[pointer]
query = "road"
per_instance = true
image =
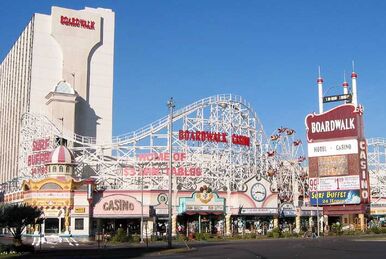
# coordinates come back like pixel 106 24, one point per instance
pixel 331 247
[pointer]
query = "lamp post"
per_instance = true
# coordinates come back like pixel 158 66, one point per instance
pixel 171 106
pixel 317 203
pixel 141 171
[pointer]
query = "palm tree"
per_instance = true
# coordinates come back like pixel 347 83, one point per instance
pixel 16 217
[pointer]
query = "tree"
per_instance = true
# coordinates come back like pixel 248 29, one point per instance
pixel 16 217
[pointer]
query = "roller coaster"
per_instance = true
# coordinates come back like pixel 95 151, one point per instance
pixel 138 159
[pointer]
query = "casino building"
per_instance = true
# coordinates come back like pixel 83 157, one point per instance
pixel 63 58
pixel 58 152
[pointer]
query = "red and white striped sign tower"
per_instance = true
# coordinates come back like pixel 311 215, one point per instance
pixel 337 157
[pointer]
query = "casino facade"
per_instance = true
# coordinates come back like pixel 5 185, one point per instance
pixel 228 175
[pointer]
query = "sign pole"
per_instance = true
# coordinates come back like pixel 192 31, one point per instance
pixel 171 106
pixel 317 202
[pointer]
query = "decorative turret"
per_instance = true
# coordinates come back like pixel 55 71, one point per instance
pixel 61 102
pixel 345 84
pixel 354 88
pixel 61 163
pixel 320 92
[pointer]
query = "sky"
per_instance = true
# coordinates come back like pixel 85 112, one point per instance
pixel 266 51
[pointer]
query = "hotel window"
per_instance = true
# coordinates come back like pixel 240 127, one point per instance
pixel 60 168
pixel 67 169
pixel 79 223
pixel 54 169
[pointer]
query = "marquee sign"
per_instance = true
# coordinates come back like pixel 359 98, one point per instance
pixel 196 204
pixel 335 183
pixel 119 206
pixel 39 156
pixel 213 137
pixel 340 122
pixel 331 148
pixel 258 211
pixel 76 22
pixel 156 164
pixel 364 173
pixel 335 197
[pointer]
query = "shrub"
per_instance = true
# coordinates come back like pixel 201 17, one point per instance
pixel 5 248
pixel 135 238
pixel 120 236
pixel 276 232
pixel 13 249
pixel 336 229
pixel 202 236
pixel 375 230
pixel 287 234
pixel 349 232
pixel 250 236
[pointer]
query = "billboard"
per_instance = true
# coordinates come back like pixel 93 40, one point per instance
pixel 332 148
pixel 335 183
pixel 332 165
pixel 344 121
pixel 335 197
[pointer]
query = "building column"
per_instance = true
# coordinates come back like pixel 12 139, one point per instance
pixel 321 220
pixel 326 226
pixel 60 226
pixel 148 229
pixel 297 223
pixel 67 221
pixel 99 225
pixel 199 223
pixel 228 225
pixel 310 222
pixel 174 224
pixel 275 221
pixel 362 222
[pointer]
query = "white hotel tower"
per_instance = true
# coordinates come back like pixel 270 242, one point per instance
pixel 64 58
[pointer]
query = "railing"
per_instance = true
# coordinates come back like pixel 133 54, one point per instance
pixel 161 123
pixel 376 141
pixel 146 130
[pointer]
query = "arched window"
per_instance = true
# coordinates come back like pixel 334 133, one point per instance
pixel 51 186
pixel 49 169
pixel 60 168
pixel 54 169
pixel 67 169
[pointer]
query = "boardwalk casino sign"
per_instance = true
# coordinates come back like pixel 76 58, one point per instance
pixel 344 121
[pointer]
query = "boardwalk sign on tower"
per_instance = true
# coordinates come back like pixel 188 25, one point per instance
pixel 337 152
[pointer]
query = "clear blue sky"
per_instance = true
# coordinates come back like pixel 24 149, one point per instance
pixel 266 51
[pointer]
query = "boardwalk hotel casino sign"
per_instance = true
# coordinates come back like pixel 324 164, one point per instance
pixel 337 156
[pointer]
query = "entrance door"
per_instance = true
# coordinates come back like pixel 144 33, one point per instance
pixel 51 226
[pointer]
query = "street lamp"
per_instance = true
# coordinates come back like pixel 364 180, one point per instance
pixel 171 106
pixel 141 171
pixel 317 202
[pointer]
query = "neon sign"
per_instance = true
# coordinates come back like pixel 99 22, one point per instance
pixel 76 22
pixel 40 156
pixel 212 137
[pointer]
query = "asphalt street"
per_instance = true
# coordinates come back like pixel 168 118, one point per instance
pixel 330 247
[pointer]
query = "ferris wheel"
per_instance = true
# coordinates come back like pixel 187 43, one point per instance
pixel 287 164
